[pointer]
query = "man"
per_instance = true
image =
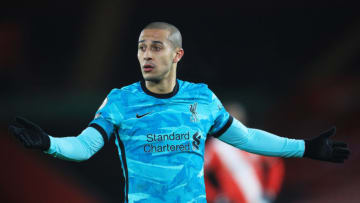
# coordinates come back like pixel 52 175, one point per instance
pixel 161 124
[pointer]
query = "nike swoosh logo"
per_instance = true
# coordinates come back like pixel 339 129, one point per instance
pixel 140 116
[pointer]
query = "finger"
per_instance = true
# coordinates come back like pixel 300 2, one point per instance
pixel 339 144
pixel 23 121
pixel 14 130
pixel 329 132
pixel 16 124
pixel 337 159
pixel 23 139
pixel 341 150
pixel 341 156
pixel 26 123
pixel 344 152
pixel 19 135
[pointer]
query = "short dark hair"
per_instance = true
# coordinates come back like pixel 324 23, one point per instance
pixel 175 35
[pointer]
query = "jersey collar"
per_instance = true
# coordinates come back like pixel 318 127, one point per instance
pixel 160 96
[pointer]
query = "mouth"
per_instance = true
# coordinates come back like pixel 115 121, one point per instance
pixel 148 67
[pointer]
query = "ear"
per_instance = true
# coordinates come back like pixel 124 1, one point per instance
pixel 179 55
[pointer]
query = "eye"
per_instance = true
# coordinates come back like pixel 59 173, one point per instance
pixel 142 47
pixel 156 48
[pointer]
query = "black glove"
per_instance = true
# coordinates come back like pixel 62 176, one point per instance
pixel 31 135
pixel 322 148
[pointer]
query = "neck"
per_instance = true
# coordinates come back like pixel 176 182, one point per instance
pixel 164 86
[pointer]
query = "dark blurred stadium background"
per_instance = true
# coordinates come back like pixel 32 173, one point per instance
pixel 294 66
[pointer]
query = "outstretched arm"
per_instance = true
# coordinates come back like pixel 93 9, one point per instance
pixel 78 148
pixel 264 143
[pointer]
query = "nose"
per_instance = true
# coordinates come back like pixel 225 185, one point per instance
pixel 147 55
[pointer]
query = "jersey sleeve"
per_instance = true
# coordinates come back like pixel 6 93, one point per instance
pixel 108 116
pixel 222 119
pixel 262 142
pixel 79 148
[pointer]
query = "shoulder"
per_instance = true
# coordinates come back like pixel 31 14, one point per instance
pixel 128 89
pixel 200 89
pixel 192 86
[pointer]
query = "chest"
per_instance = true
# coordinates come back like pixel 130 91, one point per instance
pixel 166 116
pixel 151 128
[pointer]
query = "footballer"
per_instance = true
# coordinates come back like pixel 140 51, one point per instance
pixel 160 126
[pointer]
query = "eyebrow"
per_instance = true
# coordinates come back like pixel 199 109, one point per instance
pixel 154 42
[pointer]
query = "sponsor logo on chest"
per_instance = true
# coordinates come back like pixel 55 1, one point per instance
pixel 173 142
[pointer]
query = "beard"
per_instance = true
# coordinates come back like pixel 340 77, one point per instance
pixel 153 79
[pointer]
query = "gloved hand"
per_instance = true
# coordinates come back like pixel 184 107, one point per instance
pixel 31 135
pixel 325 149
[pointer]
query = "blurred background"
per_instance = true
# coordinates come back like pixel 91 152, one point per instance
pixel 294 66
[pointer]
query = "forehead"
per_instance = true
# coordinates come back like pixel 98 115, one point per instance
pixel 154 35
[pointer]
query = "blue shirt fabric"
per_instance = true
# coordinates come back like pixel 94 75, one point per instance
pixel 79 148
pixel 161 138
pixel 262 142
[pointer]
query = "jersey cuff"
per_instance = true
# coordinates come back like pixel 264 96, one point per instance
pixel 224 128
pixel 101 131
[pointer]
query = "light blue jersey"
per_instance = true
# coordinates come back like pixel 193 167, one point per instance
pixel 161 139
